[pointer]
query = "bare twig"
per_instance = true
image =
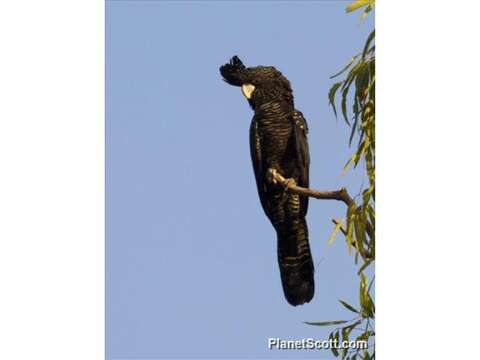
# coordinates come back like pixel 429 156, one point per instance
pixel 290 185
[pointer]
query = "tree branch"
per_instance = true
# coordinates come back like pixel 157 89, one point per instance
pixel 290 185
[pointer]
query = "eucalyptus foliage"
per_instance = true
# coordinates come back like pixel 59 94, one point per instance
pixel 355 93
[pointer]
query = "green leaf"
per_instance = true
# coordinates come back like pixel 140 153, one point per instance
pixel 363 291
pixel 331 96
pixel 345 68
pixel 371 214
pixel 354 127
pixel 367 43
pixel 364 266
pixel 366 302
pixel 370 306
pixel 349 164
pixel 360 235
pixel 361 81
pixel 366 355
pixel 337 338
pixel 366 11
pixel 326 323
pixel 344 105
pixel 349 307
pixel 350 77
pixel 364 336
pixel 360 150
pixel 359 4
pixel 352 326
pixel 366 195
pixel 335 231
pixel 350 222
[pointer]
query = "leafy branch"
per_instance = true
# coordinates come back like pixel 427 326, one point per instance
pixel 358 88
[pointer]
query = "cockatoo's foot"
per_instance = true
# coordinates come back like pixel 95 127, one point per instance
pixel 271 174
pixel 287 184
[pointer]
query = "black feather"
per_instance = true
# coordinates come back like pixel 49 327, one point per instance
pixel 233 72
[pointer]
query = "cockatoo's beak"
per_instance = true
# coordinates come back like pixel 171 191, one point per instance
pixel 247 90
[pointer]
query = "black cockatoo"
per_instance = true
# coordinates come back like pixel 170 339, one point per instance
pixel 278 142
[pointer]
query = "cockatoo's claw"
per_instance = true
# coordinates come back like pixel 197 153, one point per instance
pixel 271 176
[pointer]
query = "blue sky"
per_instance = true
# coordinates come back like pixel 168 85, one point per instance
pixel 191 258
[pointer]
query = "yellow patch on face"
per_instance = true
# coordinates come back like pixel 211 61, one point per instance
pixel 247 90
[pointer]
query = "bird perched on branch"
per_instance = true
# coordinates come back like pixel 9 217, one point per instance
pixel 278 144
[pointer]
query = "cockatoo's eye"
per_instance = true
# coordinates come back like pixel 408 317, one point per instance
pixel 247 90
